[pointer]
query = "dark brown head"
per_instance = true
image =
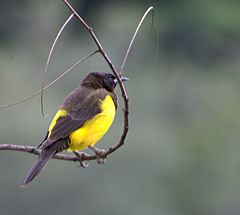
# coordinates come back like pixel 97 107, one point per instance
pixel 99 80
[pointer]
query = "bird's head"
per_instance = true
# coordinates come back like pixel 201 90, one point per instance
pixel 99 80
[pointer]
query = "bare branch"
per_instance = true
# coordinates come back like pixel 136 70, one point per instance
pixel 133 38
pixel 49 57
pixel 100 48
pixel 49 85
pixel 59 156
pixel 37 151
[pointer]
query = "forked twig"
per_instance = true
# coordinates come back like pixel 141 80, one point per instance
pixel 33 150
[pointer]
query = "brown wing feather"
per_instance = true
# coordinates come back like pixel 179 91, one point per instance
pixel 81 105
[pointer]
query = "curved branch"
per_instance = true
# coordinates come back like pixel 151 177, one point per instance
pixel 49 57
pixel 134 36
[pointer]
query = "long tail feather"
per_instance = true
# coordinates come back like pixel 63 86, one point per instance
pixel 38 167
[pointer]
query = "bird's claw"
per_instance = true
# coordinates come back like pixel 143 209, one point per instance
pixel 80 155
pixel 100 154
pixel 84 164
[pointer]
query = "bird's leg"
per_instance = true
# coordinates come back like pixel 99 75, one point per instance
pixel 100 153
pixel 80 155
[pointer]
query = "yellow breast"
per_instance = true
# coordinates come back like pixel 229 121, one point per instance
pixel 95 128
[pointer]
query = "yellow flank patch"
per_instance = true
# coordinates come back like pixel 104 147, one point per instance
pixel 93 129
pixel 60 113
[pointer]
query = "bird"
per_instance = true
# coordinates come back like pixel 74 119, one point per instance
pixel 84 117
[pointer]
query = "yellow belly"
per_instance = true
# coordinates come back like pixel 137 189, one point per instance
pixel 95 128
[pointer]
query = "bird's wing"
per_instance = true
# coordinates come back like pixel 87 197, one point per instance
pixel 80 107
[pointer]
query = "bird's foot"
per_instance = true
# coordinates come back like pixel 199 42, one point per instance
pixel 80 155
pixel 100 153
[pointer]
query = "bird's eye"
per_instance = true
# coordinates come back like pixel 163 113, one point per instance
pixel 110 80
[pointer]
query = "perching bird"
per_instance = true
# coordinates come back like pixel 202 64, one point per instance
pixel 84 117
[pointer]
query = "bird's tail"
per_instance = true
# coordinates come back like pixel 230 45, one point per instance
pixel 45 156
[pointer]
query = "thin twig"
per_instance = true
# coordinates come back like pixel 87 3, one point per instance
pixel 49 85
pixel 49 57
pixel 157 42
pixel 133 38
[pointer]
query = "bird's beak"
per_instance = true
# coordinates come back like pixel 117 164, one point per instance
pixel 122 79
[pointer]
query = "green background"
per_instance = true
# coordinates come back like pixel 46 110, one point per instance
pixel 182 152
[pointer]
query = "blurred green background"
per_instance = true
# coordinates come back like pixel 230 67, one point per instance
pixel 182 153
